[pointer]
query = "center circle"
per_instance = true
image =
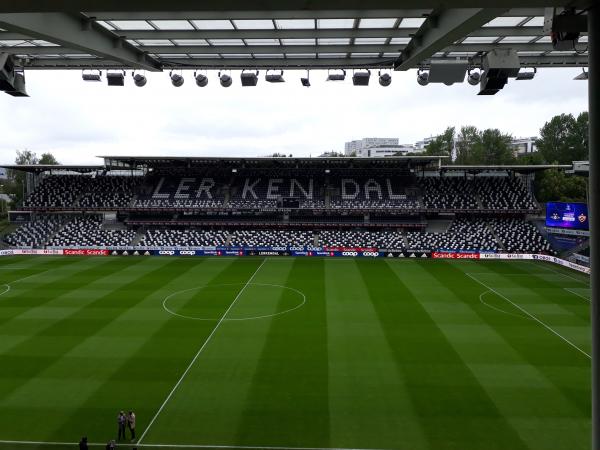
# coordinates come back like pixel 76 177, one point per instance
pixel 274 300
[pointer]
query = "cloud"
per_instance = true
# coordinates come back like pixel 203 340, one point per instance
pixel 77 121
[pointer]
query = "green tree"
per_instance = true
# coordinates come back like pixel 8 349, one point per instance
pixel 442 145
pixel 48 159
pixel 16 178
pixel 467 138
pixel 555 185
pixel 495 147
pixel 564 139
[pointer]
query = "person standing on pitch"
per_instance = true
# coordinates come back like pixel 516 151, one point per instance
pixel 131 424
pixel 121 422
pixel 83 445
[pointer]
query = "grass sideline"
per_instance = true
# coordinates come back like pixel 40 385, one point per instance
pixel 382 354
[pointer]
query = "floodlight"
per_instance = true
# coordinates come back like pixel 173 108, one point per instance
pixel 361 78
pixel 306 81
pixel 524 75
pixel 249 78
pixel 201 79
pixel 422 77
pixel 139 79
pixel 115 78
pixel 447 72
pixel 274 77
pixel 176 79
pixel 336 76
pixel 385 79
pixel 94 75
pixel 582 76
pixel 225 80
pixel 474 78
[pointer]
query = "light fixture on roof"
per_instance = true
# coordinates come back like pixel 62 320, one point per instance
pixel 385 79
pixel 583 76
pixel 176 79
pixel 115 78
pixel 274 77
pixel 306 80
pixel 12 81
pixel 139 79
pixel 498 66
pixel 422 77
pixel 340 76
pixel 447 72
pixel 526 75
pixel 225 79
pixel 91 75
pixel 249 78
pixel 474 78
pixel 201 79
pixel 361 78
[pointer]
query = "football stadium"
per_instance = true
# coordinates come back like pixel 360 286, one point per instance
pixel 408 301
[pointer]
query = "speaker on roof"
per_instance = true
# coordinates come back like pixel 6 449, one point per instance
pixel 11 81
pixel 498 66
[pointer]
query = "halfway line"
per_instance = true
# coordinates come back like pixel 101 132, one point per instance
pixel 529 314
pixel 199 351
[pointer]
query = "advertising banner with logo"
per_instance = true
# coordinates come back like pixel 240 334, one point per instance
pixel 84 252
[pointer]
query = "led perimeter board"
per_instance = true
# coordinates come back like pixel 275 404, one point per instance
pixel 567 215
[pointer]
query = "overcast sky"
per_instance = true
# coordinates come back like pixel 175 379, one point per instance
pixel 78 121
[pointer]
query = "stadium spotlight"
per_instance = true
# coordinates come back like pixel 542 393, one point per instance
pixel 115 78
pixel 138 79
pixel 201 79
pixel 524 75
pixel 176 79
pixel 274 77
pixel 306 81
pixel 361 78
pixel 422 77
pixel 336 76
pixel 225 79
pixel 385 79
pixel 91 75
pixel 582 76
pixel 474 78
pixel 249 78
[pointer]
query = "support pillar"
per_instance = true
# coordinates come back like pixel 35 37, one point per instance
pixel 594 210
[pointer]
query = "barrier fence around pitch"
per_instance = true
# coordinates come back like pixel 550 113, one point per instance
pixel 328 252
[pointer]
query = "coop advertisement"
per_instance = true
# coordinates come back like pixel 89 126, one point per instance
pixel 567 215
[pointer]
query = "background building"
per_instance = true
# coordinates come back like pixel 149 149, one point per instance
pixel 359 147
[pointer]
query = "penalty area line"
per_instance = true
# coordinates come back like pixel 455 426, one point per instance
pixel 206 341
pixel 556 333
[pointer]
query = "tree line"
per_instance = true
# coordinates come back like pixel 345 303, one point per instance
pixel 563 139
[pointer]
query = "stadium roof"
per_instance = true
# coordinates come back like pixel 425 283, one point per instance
pixel 521 168
pixel 36 168
pixel 156 35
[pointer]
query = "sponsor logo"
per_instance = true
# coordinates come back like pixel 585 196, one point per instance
pixel 85 252
pixel 269 253
pixel 187 252
pixel 370 253
pixel 349 253
pixel 166 252
pixel 136 253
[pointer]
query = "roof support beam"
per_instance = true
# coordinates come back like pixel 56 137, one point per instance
pixel 75 32
pixel 289 63
pixel 441 29
pixel 261 5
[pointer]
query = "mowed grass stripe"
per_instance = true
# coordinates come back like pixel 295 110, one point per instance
pixel 566 368
pixel 369 402
pixel 169 346
pixel 543 290
pixel 40 364
pixel 518 389
pixel 292 368
pixel 454 409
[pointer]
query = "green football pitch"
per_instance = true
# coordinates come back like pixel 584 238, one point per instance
pixel 294 353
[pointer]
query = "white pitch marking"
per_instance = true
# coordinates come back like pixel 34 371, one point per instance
pixel 199 352
pixel 7 285
pixel 498 309
pixel 235 447
pixel 543 266
pixel 300 293
pixel 530 315
pixel 578 295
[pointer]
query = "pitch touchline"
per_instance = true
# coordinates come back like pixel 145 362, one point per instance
pixel 578 295
pixel 199 352
pixel 529 314
pixel 235 447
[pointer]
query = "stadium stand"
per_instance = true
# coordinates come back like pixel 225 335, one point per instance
pixel 279 204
